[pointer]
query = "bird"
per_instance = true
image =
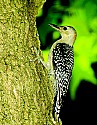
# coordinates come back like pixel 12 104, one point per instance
pixel 61 63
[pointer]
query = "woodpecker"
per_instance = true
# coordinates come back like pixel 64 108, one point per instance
pixel 61 60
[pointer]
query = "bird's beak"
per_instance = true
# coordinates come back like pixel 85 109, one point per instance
pixel 55 26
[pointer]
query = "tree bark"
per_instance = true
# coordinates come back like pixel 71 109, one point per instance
pixel 26 90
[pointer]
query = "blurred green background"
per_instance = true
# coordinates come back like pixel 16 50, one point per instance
pixel 82 15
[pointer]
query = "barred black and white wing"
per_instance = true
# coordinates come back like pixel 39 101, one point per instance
pixel 63 61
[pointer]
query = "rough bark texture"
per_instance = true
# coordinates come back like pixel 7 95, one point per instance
pixel 25 88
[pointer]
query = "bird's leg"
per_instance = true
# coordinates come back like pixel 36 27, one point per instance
pixel 37 52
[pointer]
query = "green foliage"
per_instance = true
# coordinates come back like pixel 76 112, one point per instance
pixel 82 15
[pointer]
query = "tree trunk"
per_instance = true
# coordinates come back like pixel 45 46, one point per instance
pixel 25 88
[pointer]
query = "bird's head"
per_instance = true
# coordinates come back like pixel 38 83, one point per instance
pixel 68 33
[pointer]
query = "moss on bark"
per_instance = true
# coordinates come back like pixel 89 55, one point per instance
pixel 25 88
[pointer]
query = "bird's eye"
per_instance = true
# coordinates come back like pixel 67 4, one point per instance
pixel 65 28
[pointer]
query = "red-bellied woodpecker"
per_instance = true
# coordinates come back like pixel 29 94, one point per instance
pixel 61 59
